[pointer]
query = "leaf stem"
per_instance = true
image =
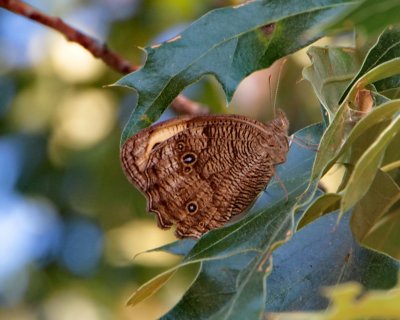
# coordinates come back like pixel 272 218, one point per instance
pixel 391 166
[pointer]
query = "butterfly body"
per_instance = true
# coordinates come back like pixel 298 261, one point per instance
pixel 199 172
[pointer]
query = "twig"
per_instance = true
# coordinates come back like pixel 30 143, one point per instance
pixel 97 49
pixel 181 104
pixel 184 105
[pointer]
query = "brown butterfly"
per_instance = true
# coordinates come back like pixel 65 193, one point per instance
pixel 198 172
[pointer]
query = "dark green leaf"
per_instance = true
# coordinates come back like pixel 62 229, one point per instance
pixel 214 286
pixel 320 254
pixel 179 248
pixel 248 301
pixel 263 32
pixel 388 84
pixel 323 253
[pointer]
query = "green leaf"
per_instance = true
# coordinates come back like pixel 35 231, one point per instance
pixel 179 248
pixel 382 71
pixel 359 141
pixel 150 287
pixel 363 152
pixel 364 133
pixel 376 218
pixel 370 16
pixel 324 204
pixel 263 32
pixel 321 254
pixel 248 301
pixel 392 155
pixel 330 72
pixel 324 253
pixel 340 128
pixel 385 49
pixel 366 168
pixel 214 286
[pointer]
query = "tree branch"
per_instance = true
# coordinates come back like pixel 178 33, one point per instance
pixel 97 49
pixel 181 104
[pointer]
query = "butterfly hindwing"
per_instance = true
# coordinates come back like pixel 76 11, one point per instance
pixel 205 174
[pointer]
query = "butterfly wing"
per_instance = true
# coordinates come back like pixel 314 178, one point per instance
pixel 136 150
pixel 212 170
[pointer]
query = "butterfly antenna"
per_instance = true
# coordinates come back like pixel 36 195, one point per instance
pixel 271 103
pixel 277 84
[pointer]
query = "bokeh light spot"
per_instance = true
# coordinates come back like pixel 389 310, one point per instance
pixel 29 232
pixel 123 243
pixel 10 158
pixel 83 245
pixel 83 119
pixel 72 305
pixel 73 63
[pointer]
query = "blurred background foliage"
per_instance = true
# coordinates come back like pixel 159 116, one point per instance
pixel 70 223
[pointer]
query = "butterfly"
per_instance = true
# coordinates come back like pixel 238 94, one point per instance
pixel 198 172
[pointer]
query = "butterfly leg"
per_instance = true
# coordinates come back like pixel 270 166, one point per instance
pixel 303 143
pixel 282 185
